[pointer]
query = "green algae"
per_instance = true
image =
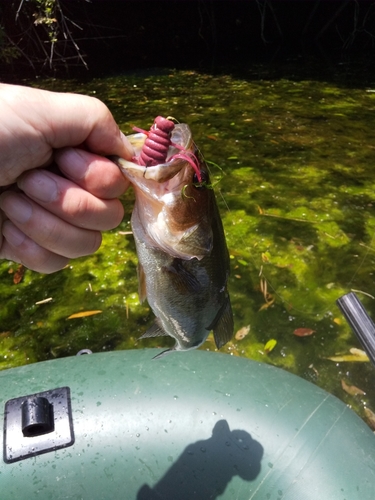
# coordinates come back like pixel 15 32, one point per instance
pixel 295 189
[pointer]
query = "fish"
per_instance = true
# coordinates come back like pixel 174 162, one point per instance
pixel 183 259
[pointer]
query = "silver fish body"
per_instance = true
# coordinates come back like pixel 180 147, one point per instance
pixel 183 258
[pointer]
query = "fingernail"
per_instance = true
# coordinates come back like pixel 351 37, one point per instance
pixel 128 146
pixel 39 185
pixel 73 163
pixel 12 234
pixel 16 207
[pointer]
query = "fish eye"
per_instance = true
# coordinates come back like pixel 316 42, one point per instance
pixel 203 182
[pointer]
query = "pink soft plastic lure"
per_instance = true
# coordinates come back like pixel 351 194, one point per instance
pixel 157 143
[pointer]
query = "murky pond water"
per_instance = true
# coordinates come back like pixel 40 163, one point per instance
pixel 295 172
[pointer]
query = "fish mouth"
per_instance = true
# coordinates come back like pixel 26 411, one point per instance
pixel 181 140
pixel 173 214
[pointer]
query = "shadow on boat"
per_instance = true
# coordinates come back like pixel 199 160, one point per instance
pixel 205 468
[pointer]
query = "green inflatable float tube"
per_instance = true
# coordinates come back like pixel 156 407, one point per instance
pixel 195 425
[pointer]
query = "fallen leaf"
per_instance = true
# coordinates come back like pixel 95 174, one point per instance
pixel 357 352
pixel 312 367
pixel 268 297
pixel 265 256
pixel 84 314
pixel 349 358
pixel 303 332
pixel 356 355
pixel 242 332
pixel 18 275
pixel 270 301
pixel 351 389
pixel 270 345
pixel 243 262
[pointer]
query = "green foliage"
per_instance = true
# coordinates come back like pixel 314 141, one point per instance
pixel 39 32
pixel 46 15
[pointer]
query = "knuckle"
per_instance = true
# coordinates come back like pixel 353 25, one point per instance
pixel 96 241
pixel 79 209
pixel 39 259
pixel 86 243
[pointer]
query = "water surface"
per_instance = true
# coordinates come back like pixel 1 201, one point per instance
pixel 294 166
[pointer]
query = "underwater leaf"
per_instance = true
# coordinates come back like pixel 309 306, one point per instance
pixel 84 314
pixel 18 275
pixel 356 355
pixel 243 262
pixel 303 332
pixel 270 345
pixel 268 297
pixel 351 389
pixel 266 256
pixel 270 301
pixel 357 352
pixel 242 332
pixel 350 358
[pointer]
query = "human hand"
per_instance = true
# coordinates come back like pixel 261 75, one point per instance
pixel 48 217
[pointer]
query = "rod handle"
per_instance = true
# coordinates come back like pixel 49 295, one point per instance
pixel 360 322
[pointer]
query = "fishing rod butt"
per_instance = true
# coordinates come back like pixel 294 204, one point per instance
pixel 359 321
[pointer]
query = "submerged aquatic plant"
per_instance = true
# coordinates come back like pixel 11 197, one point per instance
pixel 297 202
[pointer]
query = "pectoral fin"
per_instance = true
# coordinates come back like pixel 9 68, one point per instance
pixel 154 331
pixel 198 241
pixel 222 325
pixel 184 281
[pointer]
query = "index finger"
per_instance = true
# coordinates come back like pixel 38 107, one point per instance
pixel 95 173
pixel 39 121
